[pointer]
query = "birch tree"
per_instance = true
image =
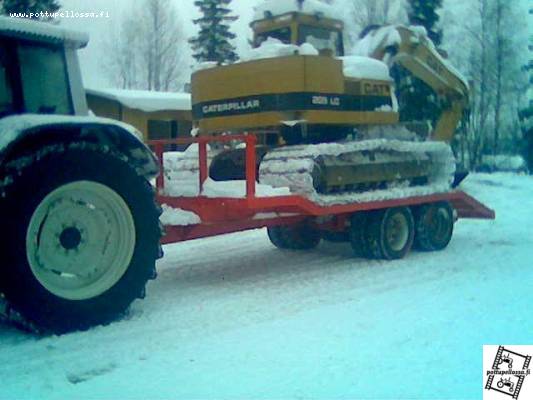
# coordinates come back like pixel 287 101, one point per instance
pixel 148 52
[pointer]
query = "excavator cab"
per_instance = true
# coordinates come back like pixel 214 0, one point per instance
pixel 325 34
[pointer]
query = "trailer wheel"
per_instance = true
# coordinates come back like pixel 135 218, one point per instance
pixel 336 237
pixel 357 235
pixel 390 233
pixel 301 236
pixel 433 226
pixel 80 237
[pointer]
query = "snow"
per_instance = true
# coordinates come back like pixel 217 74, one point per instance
pixel 205 65
pixel 272 48
pixel 280 7
pixel 147 101
pixel 358 67
pixel 36 30
pixel 14 126
pixel 504 163
pixel 177 216
pixel 227 189
pixel 233 317
pixel 293 167
pixel 379 38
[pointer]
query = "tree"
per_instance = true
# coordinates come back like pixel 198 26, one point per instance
pixel 29 6
pixel 213 40
pixel 424 13
pixel 360 14
pixel 145 53
pixel 491 55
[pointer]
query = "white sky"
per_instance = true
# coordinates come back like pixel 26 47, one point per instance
pixel 90 58
pixel 98 29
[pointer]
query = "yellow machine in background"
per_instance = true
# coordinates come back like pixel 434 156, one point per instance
pixel 303 97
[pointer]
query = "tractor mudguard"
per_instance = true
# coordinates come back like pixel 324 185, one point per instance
pixel 21 132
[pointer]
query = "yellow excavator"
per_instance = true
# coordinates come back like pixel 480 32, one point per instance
pixel 328 123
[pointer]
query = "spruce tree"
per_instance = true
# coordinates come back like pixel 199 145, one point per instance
pixel 424 12
pixel 213 41
pixel 29 6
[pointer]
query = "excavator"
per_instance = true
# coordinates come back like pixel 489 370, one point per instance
pixel 326 123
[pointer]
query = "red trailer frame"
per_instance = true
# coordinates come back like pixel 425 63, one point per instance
pixel 222 215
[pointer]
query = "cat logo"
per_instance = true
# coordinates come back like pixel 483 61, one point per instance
pixel 376 89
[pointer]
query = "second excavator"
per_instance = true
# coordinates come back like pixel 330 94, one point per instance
pixel 330 126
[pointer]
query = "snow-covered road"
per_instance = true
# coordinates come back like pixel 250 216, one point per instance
pixel 232 317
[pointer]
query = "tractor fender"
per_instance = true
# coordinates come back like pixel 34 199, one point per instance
pixel 20 134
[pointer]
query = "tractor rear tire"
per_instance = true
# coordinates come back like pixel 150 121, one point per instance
pixel 390 233
pixel 80 237
pixel 301 236
pixel 433 226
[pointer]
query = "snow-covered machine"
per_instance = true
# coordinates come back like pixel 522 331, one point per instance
pixel 80 230
pixel 298 89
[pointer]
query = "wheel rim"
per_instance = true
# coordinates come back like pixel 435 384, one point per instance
pixel 80 240
pixel 397 231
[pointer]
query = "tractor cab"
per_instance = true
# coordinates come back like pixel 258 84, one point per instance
pixel 306 24
pixel 39 71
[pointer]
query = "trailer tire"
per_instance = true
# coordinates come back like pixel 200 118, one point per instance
pixel 390 233
pixel 301 236
pixel 358 236
pixel 433 226
pixel 336 237
pixel 80 237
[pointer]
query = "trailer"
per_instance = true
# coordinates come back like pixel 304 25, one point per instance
pixel 385 229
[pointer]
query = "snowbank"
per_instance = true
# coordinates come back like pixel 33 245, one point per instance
pixel 280 7
pixel 145 100
pixel 504 163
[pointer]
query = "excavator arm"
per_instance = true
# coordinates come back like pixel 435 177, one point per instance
pixel 413 50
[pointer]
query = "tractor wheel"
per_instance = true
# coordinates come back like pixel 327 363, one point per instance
pixel 389 233
pixel 80 238
pixel 294 237
pixel 433 226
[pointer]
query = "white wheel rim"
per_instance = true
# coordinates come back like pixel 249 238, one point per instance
pixel 397 231
pixel 80 240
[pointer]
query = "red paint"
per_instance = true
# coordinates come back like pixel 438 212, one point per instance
pixel 226 215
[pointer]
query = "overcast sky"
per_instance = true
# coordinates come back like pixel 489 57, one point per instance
pixel 98 29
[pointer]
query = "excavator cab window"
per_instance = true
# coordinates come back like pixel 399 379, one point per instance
pixel 281 34
pixel 324 40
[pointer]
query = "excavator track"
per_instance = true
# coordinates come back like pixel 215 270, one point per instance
pixel 363 170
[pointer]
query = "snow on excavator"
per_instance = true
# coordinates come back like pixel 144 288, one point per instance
pixel 328 124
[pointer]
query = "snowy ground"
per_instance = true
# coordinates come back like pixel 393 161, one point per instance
pixel 232 317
